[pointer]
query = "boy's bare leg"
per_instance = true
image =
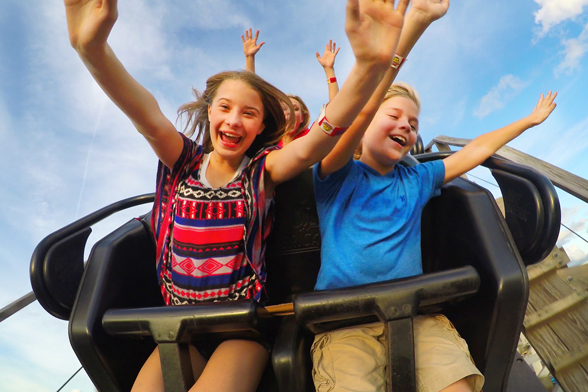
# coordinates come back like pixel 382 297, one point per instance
pixel 459 386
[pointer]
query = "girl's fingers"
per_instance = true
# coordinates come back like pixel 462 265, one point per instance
pixel 402 6
pixel 352 10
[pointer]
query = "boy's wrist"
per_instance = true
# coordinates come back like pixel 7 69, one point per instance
pixel 418 17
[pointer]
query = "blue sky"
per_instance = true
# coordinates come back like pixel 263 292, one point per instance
pixel 66 150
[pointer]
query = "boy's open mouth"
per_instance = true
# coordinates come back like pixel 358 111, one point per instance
pixel 230 138
pixel 398 139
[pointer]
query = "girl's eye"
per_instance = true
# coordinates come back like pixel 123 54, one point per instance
pixel 223 106
pixel 296 109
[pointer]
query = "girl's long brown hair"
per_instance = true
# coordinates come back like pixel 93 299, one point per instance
pixel 275 123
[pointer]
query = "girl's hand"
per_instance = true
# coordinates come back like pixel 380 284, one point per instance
pixel 89 22
pixel 373 28
pixel 543 109
pixel 328 58
pixel 429 10
pixel 250 47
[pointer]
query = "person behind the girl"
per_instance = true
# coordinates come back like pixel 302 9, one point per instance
pixel 301 112
pixel 370 209
pixel 218 194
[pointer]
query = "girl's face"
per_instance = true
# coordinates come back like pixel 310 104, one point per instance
pixel 391 134
pixel 236 118
pixel 298 115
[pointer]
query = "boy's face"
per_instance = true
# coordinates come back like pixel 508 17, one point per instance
pixel 391 134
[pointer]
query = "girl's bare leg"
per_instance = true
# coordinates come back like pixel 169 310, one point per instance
pixel 150 378
pixel 235 366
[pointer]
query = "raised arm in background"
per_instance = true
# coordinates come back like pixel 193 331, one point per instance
pixel 327 61
pixel 250 48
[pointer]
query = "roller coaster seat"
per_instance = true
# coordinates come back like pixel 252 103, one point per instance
pixel 462 228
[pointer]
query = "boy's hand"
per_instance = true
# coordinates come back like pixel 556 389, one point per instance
pixel 543 109
pixel 89 22
pixel 373 28
pixel 328 58
pixel 250 46
pixel 429 11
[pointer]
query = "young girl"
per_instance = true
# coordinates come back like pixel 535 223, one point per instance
pixel 211 215
pixel 370 209
pixel 300 110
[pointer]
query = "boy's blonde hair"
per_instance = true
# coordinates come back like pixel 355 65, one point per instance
pixel 396 90
pixel 271 97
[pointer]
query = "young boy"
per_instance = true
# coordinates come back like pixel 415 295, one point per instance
pixel 370 209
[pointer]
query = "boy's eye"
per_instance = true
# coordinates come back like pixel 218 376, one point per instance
pixel 413 128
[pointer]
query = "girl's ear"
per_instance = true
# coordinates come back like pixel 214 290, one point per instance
pixel 208 113
pixel 261 128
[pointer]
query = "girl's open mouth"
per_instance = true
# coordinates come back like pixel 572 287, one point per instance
pixel 230 138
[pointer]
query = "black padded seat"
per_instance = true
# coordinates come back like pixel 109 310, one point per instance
pixel 464 235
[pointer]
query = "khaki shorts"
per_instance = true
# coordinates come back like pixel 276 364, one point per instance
pixel 354 359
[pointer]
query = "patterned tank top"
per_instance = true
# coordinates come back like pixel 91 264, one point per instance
pixel 208 260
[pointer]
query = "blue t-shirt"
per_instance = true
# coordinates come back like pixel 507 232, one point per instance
pixel 370 224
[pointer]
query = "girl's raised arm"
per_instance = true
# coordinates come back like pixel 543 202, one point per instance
pixel 373 28
pixel 89 24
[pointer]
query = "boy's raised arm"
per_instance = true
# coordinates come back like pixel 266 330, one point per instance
pixel 484 146
pixel 373 28
pixel 418 18
pixel 89 24
pixel 250 48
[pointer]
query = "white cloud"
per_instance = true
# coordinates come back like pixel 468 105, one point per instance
pixel 574 50
pixel 577 255
pixel 508 87
pixel 553 12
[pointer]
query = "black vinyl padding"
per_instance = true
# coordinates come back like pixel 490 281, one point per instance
pixel 463 232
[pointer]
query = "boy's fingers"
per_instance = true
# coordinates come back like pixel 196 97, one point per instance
pixel 243 39
pixel 337 51
pixel 256 34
